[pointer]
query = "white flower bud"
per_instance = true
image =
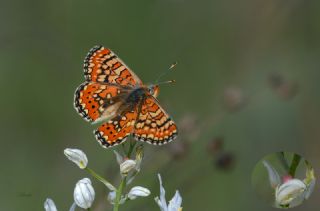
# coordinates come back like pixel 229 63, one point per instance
pixel 77 156
pixel 84 193
pixel 138 191
pixel 289 191
pixel 127 166
pixel 49 205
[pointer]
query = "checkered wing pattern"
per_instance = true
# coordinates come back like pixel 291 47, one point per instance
pixel 104 66
pixel 154 125
pixel 96 101
pixel 116 130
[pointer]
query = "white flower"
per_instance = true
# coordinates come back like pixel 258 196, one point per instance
pixel 274 177
pixel 289 192
pixel 175 202
pixel 138 191
pixel 77 156
pixel 84 193
pixel 127 166
pixel 49 205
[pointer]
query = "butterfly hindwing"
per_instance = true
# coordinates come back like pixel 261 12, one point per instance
pixel 154 125
pixel 95 101
pixel 116 130
pixel 102 65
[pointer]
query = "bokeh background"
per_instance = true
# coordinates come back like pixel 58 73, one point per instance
pixel 247 85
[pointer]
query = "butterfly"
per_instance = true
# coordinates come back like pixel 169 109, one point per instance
pixel 113 95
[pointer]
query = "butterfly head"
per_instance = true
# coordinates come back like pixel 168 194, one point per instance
pixel 154 90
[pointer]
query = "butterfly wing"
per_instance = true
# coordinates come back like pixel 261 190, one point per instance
pixel 104 66
pixel 96 101
pixel 116 130
pixel 154 125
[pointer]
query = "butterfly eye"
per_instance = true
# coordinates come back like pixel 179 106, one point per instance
pixel 151 90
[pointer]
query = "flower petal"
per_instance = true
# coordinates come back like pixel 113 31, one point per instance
pixel 175 202
pixel 162 200
pixel 138 191
pixel 287 192
pixel 274 177
pixel 127 166
pixel 84 193
pixel 49 205
pixel 77 156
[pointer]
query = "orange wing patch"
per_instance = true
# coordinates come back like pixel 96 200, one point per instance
pixel 95 101
pixel 102 65
pixel 154 125
pixel 116 131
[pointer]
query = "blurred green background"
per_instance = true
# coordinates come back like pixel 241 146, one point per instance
pixel 248 73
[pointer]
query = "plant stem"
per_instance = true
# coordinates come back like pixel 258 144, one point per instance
pixel 101 179
pixel 123 182
pixel 119 193
pixel 294 164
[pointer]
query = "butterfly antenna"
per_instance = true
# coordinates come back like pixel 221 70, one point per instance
pixel 166 82
pixel 166 72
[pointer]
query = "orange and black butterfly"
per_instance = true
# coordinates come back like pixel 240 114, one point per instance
pixel 113 95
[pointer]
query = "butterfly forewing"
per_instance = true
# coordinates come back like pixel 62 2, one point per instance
pixel 102 65
pixel 95 101
pixel 154 125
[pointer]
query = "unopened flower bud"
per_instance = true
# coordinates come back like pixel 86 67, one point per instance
pixel 77 156
pixel 138 191
pixel 49 205
pixel 127 166
pixel 289 191
pixel 84 193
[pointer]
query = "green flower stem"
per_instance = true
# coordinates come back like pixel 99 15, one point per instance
pixel 123 182
pixel 294 164
pixel 101 179
pixel 119 193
